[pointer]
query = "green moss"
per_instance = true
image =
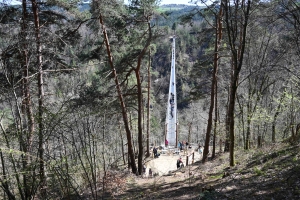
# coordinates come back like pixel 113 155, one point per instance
pixel 258 172
pixel 216 176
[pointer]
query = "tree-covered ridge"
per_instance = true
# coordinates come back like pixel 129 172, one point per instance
pixel 85 91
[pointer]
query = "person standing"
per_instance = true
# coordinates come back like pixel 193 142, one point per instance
pixel 200 149
pixel 179 163
pixel 179 145
pixel 155 152
pixel 166 143
pixel 150 173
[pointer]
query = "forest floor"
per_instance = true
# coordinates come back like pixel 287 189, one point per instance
pixel 267 173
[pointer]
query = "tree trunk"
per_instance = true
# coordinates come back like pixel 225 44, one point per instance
pixel 227 142
pixel 292 113
pixel 236 30
pixel 231 119
pixel 40 99
pixel 219 33
pixel 148 105
pixel 258 137
pixel 189 134
pixel 122 103
pixel 140 130
pixel 140 100
pixel 122 144
pixel 26 142
pixel 241 107
pixel 103 157
pixel 26 104
pixel 218 37
pixel 248 133
pixel 215 124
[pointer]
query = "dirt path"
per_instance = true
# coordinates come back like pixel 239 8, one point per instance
pixel 167 161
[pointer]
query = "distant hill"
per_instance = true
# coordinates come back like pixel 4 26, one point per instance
pixel 172 7
pixel 10 2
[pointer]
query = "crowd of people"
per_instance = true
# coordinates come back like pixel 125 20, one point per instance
pixel 182 146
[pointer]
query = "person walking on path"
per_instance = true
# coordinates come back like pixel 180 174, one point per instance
pixel 180 146
pixel 150 173
pixel 200 149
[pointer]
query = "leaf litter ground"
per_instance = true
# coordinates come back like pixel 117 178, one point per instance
pixel 268 173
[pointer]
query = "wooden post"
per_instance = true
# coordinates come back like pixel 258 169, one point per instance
pixel 189 134
pixel 193 157
pixel 187 160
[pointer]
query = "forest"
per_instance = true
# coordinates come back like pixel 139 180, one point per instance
pixel 84 86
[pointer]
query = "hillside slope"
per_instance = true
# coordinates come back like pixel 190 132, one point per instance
pixel 269 173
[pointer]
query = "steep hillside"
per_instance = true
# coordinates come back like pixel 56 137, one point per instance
pixel 269 173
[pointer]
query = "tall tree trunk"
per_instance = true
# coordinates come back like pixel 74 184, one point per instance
pixel 140 99
pixel 26 104
pixel 236 19
pixel 218 38
pixel 41 97
pixel 215 122
pixel 220 35
pixel 148 105
pixel 121 98
pixel 140 130
pixel 26 142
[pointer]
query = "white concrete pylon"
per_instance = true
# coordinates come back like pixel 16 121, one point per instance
pixel 171 115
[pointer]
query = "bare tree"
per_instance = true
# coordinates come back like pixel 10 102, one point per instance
pixel 236 22
pixel 218 37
